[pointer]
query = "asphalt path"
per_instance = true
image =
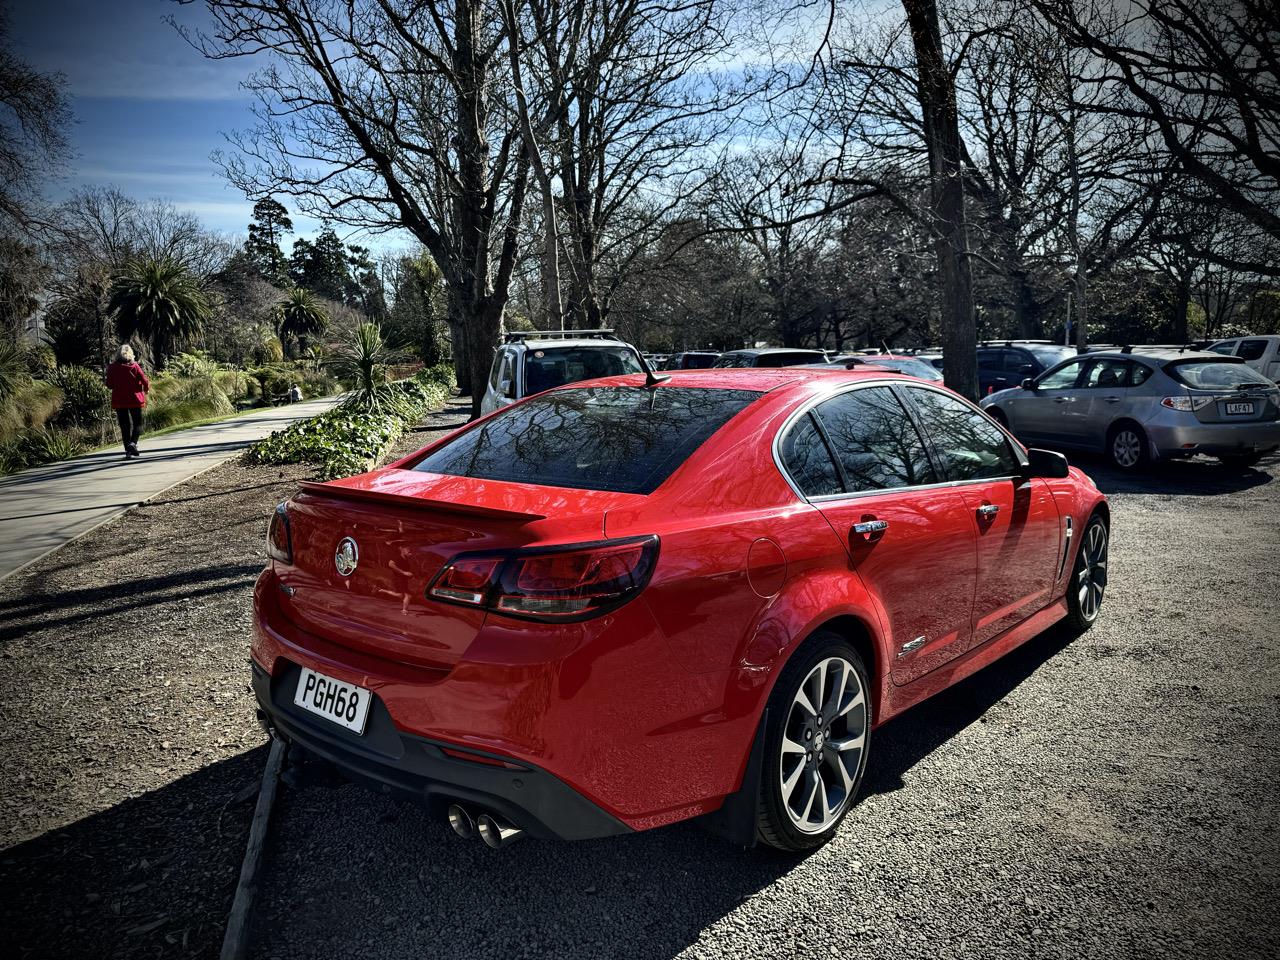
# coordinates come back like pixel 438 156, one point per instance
pixel 44 508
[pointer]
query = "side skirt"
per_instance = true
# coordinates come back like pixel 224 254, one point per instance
pixel 903 698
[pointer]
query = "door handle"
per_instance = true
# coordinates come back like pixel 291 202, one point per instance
pixel 1111 399
pixel 871 526
pixel 1061 399
pixel 988 510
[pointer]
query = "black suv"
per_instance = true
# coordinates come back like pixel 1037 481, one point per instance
pixel 1007 364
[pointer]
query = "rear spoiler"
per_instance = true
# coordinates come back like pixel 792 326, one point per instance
pixel 422 503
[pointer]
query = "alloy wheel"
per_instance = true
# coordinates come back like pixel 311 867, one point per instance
pixel 1126 448
pixel 1091 581
pixel 822 745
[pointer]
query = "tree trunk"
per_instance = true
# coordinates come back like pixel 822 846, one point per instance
pixel 951 244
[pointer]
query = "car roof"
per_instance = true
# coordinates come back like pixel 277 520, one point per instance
pixel 760 351
pixel 543 343
pixel 1162 354
pixel 763 379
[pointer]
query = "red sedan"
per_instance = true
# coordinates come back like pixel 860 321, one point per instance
pixel 617 605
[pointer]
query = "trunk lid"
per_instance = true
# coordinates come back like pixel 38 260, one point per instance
pixel 406 526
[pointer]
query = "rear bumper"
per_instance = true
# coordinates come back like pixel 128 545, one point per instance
pixel 393 761
pixel 1215 439
pixel 596 719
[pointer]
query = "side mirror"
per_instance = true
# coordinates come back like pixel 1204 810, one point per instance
pixel 1028 384
pixel 1046 463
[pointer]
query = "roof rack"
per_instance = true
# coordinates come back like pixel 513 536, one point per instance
pixel 515 336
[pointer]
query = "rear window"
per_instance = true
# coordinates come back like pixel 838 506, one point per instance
pixel 790 359
pixel 1221 374
pixel 624 439
pixel 544 369
pixel 733 360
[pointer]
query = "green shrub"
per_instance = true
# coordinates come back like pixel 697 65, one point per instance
pixel 35 403
pixel 350 439
pixel 191 365
pixel 42 362
pixel 85 397
pixel 31 448
pixel 176 400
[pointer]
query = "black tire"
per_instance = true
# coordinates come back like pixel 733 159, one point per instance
pixel 1084 609
pixel 1127 447
pixel 1240 461
pixel 778 825
pixel 999 416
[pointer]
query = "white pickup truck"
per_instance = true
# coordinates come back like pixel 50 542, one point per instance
pixel 1262 353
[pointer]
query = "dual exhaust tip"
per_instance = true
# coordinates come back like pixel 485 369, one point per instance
pixel 495 832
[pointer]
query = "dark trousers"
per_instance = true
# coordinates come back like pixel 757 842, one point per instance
pixel 130 428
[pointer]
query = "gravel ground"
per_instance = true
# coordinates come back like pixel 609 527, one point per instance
pixel 131 756
pixel 1113 794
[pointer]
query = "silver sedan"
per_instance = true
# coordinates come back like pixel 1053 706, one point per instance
pixel 1146 405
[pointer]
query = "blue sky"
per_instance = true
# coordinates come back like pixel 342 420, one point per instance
pixel 149 109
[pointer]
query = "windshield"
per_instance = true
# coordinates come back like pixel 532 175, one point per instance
pixel 1216 374
pixel 625 439
pixel 556 366
pixel 1048 353
pixel 910 366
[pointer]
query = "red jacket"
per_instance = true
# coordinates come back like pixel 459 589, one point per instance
pixel 129 386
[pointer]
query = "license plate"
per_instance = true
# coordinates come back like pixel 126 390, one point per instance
pixel 1239 407
pixel 344 703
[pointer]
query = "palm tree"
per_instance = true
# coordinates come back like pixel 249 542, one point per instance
pixel 299 315
pixel 361 361
pixel 159 299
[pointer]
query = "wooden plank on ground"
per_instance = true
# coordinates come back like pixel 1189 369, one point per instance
pixel 237 936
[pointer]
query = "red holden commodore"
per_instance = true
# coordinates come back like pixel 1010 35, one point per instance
pixel 620 604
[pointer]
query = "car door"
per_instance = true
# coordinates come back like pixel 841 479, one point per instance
pixel 1102 397
pixel 1042 412
pixel 910 542
pixel 1015 519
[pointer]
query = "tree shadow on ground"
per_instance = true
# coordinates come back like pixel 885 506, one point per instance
pixel 347 869
pixel 152 876
pixel 1193 477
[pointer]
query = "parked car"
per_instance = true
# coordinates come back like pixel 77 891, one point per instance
pixel 628 602
pixel 530 362
pixel 1007 364
pixel 912 366
pixel 691 360
pixel 1147 405
pixel 1262 353
pixel 770 357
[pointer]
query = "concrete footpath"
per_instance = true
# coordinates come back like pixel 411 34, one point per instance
pixel 45 507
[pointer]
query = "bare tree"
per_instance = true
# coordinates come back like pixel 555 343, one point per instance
pixel 942 138
pixel 384 114
pixel 1205 73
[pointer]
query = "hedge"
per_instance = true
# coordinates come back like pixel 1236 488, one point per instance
pixel 347 440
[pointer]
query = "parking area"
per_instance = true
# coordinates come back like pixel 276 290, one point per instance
pixel 1112 794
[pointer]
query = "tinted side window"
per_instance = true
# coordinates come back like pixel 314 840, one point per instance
pixel 1226 349
pixel 1251 349
pixel 874 440
pixel 971 446
pixel 1064 378
pixel 627 439
pixel 807 459
pixel 1139 374
pixel 1106 372
pixel 494 376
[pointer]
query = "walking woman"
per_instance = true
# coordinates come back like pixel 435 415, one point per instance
pixel 129 388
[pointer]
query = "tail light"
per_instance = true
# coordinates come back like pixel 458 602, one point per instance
pixel 279 538
pixel 552 583
pixel 1186 404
